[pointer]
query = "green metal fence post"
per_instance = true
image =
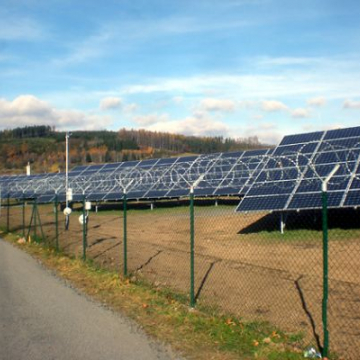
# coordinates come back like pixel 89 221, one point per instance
pixel 43 238
pixel 30 223
pixel 56 223
pixel 8 214
pixel 325 274
pixel 84 228
pixel 23 215
pixel 125 232
pixel 192 241
pixel 324 198
pixel 35 213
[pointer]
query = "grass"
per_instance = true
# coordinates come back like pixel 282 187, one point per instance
pixel 198 333
pixel 305 236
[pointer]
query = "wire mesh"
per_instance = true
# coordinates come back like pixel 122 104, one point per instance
pixel 264 266
pixel 248 267
pixel 158 245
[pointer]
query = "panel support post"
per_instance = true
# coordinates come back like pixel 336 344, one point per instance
pixel 84 227
pixel 192 246
pixel 282 223
pixel 56 222
pixel 125 232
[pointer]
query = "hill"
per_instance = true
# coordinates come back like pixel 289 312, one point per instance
pixel 44 147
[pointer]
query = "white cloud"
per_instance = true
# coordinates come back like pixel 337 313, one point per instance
pixel 333 126
pixel 257 117
pixel 24 105
pixel 27 110
pixel 351 104
pixel 197 125
pixel 307 82
pixel 309 128
pixel 89 48
pixel 247 104
pixel 284 61
pixel 109 103
pixel 317 101
pixel 19 28
pixel 177 99
pixel 131 108
pixel 146 120
pixel 144 29
pixel 211 104
pixel 266 132
pixel 273 105
pixel 300 113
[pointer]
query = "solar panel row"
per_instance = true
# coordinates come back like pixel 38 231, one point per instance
pixel 287 177
pixel 292 178
pixel 222 174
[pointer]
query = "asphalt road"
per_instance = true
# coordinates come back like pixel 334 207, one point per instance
pixel 42 318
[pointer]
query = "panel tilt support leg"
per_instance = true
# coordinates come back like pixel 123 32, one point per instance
pixel 282 223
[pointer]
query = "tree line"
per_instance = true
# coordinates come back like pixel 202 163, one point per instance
pixel 44 147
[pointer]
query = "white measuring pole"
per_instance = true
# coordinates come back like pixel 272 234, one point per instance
pixel 67 167
pixel 67 178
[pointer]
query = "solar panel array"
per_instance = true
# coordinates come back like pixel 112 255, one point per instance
pixel 288 177
pixel 220 174
pixel 291 178
pixel 18 186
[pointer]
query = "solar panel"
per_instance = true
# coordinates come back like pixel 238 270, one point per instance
pixel 46 198
pixel 353 198
pixel 287 177
pixel 293 170
pixel 353 132
pixel 273 202
pixel 301 138
pixel 298 166
pixel 220 174
pixel 117 195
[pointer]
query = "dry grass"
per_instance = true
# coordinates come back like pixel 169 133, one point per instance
pixel 164 315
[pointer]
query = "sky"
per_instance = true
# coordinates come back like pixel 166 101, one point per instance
pixel 232 68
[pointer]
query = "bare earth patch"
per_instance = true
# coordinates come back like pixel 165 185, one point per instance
pixel 255 275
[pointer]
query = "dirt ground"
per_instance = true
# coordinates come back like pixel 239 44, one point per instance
pixel 240 268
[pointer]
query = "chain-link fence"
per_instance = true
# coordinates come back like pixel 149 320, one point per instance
pixel 293 269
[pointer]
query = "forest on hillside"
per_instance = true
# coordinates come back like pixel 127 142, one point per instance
pixel 44 147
